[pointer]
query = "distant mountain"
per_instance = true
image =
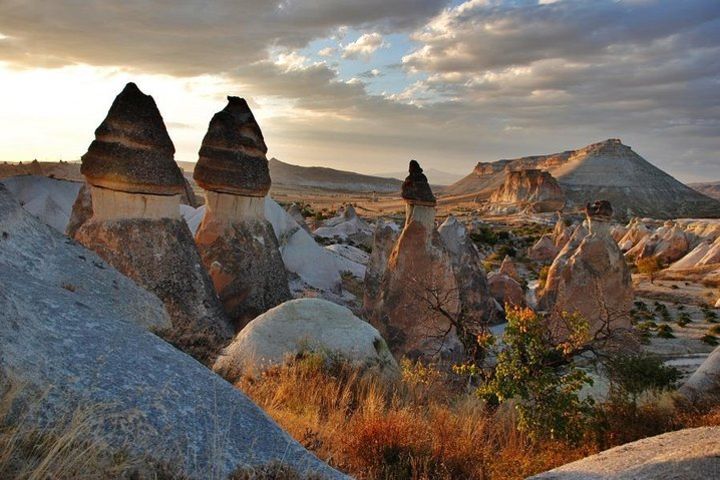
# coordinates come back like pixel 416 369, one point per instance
pixel 329 178
pixel 606 170
pixel 435 177
pixel 711 189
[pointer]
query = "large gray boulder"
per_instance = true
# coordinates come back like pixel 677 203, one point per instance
pixel 74 332
pixel 691 454
pixel 305 324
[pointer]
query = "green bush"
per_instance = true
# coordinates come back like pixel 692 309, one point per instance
pixel 633 374
pixel 537 375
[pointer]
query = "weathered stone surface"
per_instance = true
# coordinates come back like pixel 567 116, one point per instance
pixel 703 386
pixel 419 272
pixel 506 290
pixel 240 251
pixel 132 151
pixel 232 155
pixel 592 281
pixel 544 249
pixel 300 326
pixel 160 255
pixel 561 232
pixel 347 226
pixel 529 190
pixel 294 211
pixel 416 189
pixel 82 210
pixel 474 295
pixel 73 332
pixel 507 267
pixel 45 198
pixel 384 238
pixel 690 454
pixel 37 262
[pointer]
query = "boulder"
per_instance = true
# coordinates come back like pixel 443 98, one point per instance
pixel 301 326
pixel 506 290
pixel 544 249
pixel 351 259
pixel 137 228
pixel 296 213
pixel 591 280
pixel 47 199
pixel 236 243
pixel 689 454
pixel 703 386
pixel 82 341
pixel 347 226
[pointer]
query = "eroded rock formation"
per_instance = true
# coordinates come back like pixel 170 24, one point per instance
pixel 136 226
pixel 530 190
pixel 432 283
pixel 590 279
pixel 236 242
pixel 74 335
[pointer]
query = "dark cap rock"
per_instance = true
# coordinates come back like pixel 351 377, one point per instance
pixel 599 210
pixel 132 151
pixel 416 189
pixel 232 155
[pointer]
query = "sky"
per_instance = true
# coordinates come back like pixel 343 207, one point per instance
pixel 368 85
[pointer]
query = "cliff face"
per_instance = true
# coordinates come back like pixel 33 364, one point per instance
pixel 531 189
pixel 608 170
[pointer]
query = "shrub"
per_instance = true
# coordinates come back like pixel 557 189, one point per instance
pixel 632 374
pixel 710 339
pixel 665 331
pixel 532 372
pixel 484 234
pixel 649 266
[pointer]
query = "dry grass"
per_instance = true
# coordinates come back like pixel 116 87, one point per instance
pixel 419 427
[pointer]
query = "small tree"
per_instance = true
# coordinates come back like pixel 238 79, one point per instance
pixel 537 373
pixel 649 266
pixel 632 374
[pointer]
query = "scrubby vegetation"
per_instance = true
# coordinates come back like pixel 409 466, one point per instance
pixel 527 415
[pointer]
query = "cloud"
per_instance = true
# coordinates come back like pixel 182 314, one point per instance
pixel 373 73
pixel 364 46
pixel 327 52
pixel 186 37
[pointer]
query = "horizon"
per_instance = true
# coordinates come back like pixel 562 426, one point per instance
pixel 365 89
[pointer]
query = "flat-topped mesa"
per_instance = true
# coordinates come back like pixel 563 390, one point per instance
pixel 237 244
pixel 232 156
pixel 132 151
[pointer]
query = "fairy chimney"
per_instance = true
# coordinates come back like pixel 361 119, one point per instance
pixel 135 188
pixel 236 242
pixel 590 278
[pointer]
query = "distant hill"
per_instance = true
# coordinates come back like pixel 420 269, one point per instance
pixel 435 177
pixel 711 189
pixel 606 170
pixel 329 178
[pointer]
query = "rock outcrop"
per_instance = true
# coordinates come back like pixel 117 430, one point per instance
pixel 431 284
pixel 591 280
pixel 136 225
pixel 507 267
pixel 607 169
pixel 528 190
pixel 384 238
pixel 544 250
pixel 703 386
pixel 303 326
pixel 236 242
pixel 690 454
pixel 74 334
pixel 668 244
pixel 561 232
pixel 347 227
pixel 506 290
